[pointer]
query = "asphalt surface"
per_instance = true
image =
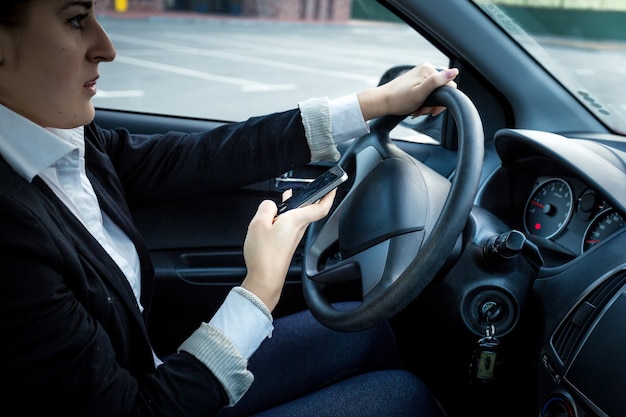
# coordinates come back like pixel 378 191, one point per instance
pixel 231 68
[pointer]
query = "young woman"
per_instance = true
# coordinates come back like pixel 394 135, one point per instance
pixel 76 278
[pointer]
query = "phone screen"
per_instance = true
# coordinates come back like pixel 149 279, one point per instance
pixel 315 190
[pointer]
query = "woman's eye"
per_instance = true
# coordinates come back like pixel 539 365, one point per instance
pixel 77 21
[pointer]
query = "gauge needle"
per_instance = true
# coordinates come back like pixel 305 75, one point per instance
pixel 536 204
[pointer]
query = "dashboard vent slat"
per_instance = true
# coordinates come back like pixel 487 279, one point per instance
pixel 568 337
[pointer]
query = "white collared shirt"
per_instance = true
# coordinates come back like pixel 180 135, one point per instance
pixel 57 156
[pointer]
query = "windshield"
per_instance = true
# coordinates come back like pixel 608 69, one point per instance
pixel 233 63
pixel 582 43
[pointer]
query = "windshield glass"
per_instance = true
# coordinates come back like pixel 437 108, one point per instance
pixel 203 59
pixel 582 43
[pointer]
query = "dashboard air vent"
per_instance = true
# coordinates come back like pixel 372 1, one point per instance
pixel 569 335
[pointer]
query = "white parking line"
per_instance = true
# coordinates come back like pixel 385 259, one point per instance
pixel 246 85
pixel 119 93
pixel 234 57
pixel 361 57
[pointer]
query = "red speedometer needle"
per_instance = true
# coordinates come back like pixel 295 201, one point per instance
pixel 536 203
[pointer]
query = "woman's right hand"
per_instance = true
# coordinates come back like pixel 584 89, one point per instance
pixel 271 243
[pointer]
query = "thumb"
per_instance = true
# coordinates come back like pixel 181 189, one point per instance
pixel 265 212
pixel 436 80
pixel 449 74
pixel 440 78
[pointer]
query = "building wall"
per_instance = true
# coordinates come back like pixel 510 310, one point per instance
pixel 315 10
pixel 132 5
pixel 326 10
pixel 599 5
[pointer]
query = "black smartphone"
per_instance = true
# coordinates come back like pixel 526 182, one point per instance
pixel 315 190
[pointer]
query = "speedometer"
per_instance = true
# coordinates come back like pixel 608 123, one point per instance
pixel 602 226
pixel 549 208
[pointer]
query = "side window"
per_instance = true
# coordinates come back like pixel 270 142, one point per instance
pixel 231 60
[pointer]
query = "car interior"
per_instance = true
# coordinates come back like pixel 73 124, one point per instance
pixel 495 249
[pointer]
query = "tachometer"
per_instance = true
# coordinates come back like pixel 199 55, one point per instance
pixel 601 227
pixel 549 208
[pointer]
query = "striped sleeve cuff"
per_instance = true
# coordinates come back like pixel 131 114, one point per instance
pixel 211 347
pixel 316 118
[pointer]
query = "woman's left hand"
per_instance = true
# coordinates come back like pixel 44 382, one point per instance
pixel 406 93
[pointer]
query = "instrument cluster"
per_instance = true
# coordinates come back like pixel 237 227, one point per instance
pixel 566 212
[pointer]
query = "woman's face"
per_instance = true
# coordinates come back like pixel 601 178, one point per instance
pixel 49 64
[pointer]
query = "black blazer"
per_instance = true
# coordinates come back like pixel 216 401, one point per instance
pixel 73 340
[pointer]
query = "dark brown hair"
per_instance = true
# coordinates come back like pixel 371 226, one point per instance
pixel 13 12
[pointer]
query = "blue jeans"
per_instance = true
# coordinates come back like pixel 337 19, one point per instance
pixel 306 369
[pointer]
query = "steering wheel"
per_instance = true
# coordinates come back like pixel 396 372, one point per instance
pixel 394 223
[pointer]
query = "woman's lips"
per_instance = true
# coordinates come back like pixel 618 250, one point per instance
pixel 90 87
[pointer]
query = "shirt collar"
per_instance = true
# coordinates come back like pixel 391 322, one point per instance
pixel 29 149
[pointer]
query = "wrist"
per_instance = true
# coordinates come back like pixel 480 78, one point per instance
pixel 267 293
pixel 373 102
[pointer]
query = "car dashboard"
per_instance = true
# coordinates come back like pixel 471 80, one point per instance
pixel 563 193
pixel 566 194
